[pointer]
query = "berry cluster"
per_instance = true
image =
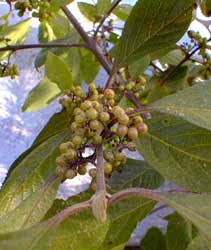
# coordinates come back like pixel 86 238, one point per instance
pixel 97 119
pixel 41 8
pixel 202 43
pixel 7 70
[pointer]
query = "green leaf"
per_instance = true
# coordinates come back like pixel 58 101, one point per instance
pixel 179 232
pixel 154 240
pixel 178 81
pixel 179 151
pixel 125 213
pixel 103 6
pixel 157 92
pixel 72 37
pixel 60 3
pixel 135 173
pixel 32 209
pixel 174 57
pixel 199 243
pixel 40 96
pixel 122 11
pixel 205 6
pixel 194 207
pixel 31 174
pixel 160 25
pixel 138 67
pixel 88 10
pixel 87 62
pixel 58 72
pixel 16 33
pixel 192 104
pixel 124 217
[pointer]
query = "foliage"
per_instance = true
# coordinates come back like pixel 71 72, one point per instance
pixel 155 102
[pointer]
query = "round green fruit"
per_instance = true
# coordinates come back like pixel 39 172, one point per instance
pixel 77 140
pixel 91 114
pixel 104 116
pixel 60 161
pixel 60 171
pixel 132 133
pixel 93 172
pixel 94 124
pixel 122 130
pixel 70 174
pixel 107 168
pixel 109 94
pixel 70 154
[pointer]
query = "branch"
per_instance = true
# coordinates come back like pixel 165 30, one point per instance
pixel 96 51
pixel 100 177
pixel 137 192
pixel 106 16
pixel 90 42
pixel 57 219
pixel 42 45
pixel 171 72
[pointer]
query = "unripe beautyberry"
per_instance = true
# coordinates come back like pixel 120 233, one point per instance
pixel 132 133
pixel 109 94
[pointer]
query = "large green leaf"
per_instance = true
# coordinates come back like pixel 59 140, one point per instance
pixel 88 10
pixel 179 232
pixel 41 95
pixel 103 6
pixel 58 72
pixel 16 33
pixel 194 207
pixel 152 26
pixel 138 67
pixel 179 151
pixel 154 240
pixel 81 231
pixel 124 217
pixel 122 11
pixel 192 104
pixel 135 173
pixel 199 243
pixel 60 3
pixel 30 176
pixel 125 213
pixel 32 209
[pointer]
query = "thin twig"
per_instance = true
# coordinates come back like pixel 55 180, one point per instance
pixel 106 16
pixel 100 177
pixel 41 45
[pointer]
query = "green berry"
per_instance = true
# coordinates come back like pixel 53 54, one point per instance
pixel 92 87
pixel 64 147
pixel 108 155
pixel 86 105
pixel 131 146
pixel 91 114
pixel 142 128
pixel 80 118
pixel 124 119
pixel 60 171
pixel 93 186
pixel 104 116
pixel 111 102
pixel 138 120
pixel 118 111
pixel 94 124
pixel 70 154
pixel 77 140
pixel 122 130
pixel 77 111
pixel 74 126
pixel 119 156
pixel 93 172
pixel 109 94
pixel 60 161
pixel 132 133
pixel 82 169
pixel 97 139
pixel 107 168
pixel 70 174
